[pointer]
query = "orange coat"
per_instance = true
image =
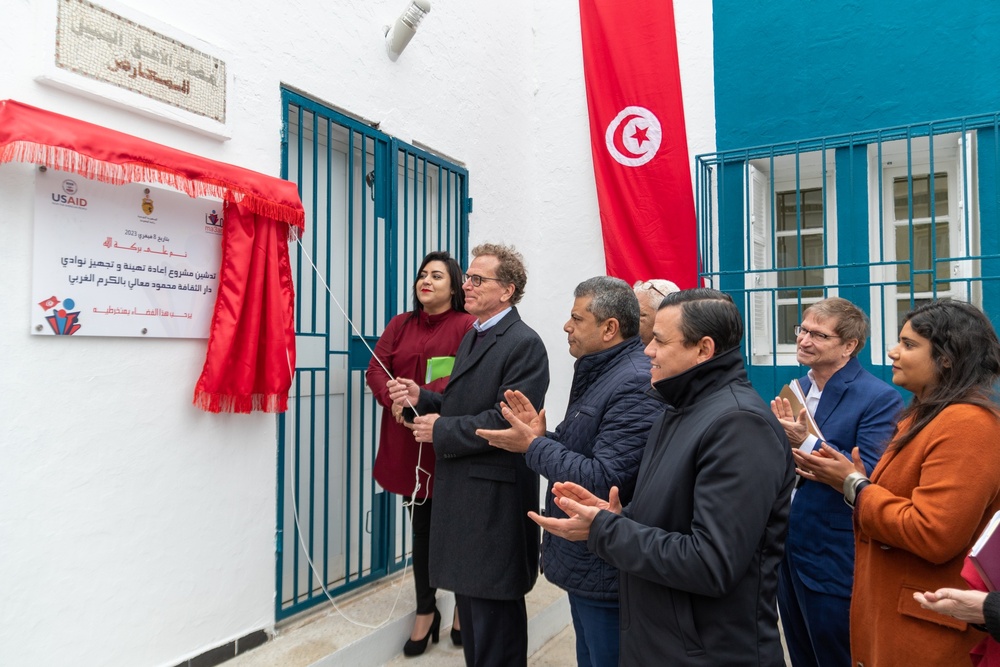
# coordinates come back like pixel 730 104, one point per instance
pixel 914 525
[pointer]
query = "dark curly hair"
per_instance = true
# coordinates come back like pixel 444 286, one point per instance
pixel 454 273
pixel 966 355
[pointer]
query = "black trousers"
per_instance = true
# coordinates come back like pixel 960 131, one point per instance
pixel 494 632
pixel 420 522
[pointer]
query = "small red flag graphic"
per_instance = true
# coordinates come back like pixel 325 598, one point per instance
pixel 51 302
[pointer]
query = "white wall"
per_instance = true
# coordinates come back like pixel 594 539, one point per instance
pixel 138 530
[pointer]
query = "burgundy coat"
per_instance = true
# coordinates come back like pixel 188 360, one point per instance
pixel 404 347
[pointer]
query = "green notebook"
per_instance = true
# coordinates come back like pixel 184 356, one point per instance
pixel 439 367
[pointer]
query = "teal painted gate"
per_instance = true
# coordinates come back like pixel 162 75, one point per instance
pixel 889 219
pixel 374 207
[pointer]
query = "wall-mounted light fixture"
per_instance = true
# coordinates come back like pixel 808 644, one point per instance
pixel 401 32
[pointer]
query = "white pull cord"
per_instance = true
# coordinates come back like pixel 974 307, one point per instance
pixel 417 471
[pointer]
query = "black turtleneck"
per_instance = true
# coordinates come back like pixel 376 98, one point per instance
pixel 685 389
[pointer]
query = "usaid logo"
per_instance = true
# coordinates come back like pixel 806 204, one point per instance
pixel 69 199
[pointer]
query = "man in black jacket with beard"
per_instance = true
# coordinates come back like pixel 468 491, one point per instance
pixel 698 547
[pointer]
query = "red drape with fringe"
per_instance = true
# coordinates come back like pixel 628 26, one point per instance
pixel 251 345
pixel 251 354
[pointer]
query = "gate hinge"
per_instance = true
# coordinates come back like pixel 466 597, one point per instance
pixel 468 204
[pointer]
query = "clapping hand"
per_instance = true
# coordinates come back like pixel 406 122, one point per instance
pixel 964 605
pixel 581 506
pixel 826 464
pixel 795 427
pixel 517 408
pixel 525 424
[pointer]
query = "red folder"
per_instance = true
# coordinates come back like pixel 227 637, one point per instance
pixel 985 554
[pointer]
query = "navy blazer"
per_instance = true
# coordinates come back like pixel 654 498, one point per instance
pixel 856 409
pixel 482 542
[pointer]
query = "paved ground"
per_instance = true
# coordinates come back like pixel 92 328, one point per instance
pixel 315 639
pixel 369 629
pixel 560 651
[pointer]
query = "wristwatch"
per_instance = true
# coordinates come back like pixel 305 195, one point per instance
pixel 853 484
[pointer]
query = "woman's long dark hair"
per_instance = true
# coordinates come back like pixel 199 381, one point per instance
pixel 454 273
pixel 966 354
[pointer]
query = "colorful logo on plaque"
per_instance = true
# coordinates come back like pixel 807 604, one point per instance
pixel 213 222
pixel 63 321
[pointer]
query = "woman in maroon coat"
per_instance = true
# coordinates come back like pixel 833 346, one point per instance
pixel 434 328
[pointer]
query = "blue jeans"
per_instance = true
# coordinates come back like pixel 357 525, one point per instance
pixel 596 625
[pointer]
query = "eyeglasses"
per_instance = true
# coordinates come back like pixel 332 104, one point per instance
pixel 477 280
pixel 817 335
pixel 649 285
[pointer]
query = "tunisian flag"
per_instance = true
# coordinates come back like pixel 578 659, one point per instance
pixel 638 140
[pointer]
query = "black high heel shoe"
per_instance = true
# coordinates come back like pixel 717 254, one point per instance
pixel 414 647
pixel 456 635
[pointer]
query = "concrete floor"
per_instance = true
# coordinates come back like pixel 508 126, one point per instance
pixel 369 629
pixel 560 651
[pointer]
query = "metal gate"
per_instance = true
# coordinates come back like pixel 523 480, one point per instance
pixel 889 219
pixel 374 207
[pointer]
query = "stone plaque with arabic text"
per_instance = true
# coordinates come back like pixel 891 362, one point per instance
pixel 96 43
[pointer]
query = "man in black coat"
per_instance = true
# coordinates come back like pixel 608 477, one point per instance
pixel 698 547
pixel 599 445
pixel 483 545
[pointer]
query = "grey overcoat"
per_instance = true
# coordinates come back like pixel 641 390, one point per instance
pixel 482 542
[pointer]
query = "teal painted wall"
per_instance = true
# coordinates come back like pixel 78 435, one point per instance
pixel 794 70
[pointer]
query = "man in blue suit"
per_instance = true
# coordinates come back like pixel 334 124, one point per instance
pixel 852 408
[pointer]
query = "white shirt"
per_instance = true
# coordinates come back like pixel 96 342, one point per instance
pixel 812 404
pixel 490 323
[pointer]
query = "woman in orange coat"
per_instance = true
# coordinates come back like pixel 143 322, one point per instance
pixel 932 493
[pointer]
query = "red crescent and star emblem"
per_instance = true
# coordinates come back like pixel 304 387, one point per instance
pixel 633 137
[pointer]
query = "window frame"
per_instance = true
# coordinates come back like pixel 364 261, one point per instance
pixel 783 174
pixel 953 155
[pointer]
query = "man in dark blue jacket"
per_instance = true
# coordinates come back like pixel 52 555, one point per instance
pixel 852 408
pixel 598 445
pixel 698 547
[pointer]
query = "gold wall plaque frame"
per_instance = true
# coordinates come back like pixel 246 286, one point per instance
pixel 117 55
